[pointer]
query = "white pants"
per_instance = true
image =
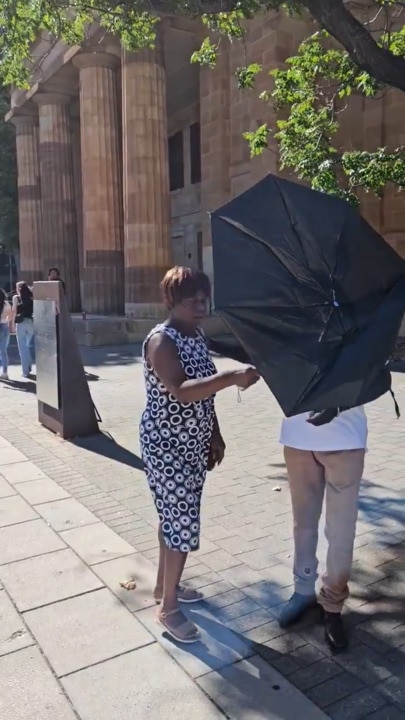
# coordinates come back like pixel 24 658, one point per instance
pixel 311 476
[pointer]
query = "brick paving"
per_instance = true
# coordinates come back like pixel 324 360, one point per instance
pixel 244 565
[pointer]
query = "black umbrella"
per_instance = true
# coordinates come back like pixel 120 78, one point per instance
pixel 314 295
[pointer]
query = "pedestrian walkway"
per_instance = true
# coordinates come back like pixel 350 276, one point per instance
pixel 246 665
pixel 74 643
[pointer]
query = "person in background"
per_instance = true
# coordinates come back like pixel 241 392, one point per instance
pixel 23 324
pixel 54 274
pixel 326 460
pixel 180 436
pixel 5 320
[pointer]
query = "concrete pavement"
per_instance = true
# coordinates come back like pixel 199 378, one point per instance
pixel 78 519
pixel 74 643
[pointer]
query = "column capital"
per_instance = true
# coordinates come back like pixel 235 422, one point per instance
pixel 96 59
pixel 154 56
pixel 52 98
pixel 24 123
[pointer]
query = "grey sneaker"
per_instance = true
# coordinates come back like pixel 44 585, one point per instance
pixel 295 608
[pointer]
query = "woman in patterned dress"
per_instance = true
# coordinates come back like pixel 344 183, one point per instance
pixel 180 434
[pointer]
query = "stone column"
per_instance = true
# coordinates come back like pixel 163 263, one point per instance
pixel 77 182
pixel 57 190
pixel 103 249
pixel 215 146
pixel 29 197
pixel 147 232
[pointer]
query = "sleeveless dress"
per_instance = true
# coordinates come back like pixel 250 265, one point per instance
pixel 175 440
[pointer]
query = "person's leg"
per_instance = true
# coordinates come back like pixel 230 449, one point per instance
pixel 306 479
pixel 21 333
pixel 344 471
pixel 32 345
pixel 170 614
pixel 174 566
pixel 29 340
pixel 160 578
pixel 7 344
pixel 185 594
pixel 4 340
pixel 178 543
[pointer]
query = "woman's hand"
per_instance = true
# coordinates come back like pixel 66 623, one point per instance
pixel 217 449
pixel 246 377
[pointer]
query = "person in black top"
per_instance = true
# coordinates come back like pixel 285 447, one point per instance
pixel 23 324
pixel 54 274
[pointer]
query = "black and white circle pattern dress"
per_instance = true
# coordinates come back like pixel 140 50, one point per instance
pixel 175 441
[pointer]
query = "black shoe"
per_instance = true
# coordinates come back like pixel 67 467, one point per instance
pixel 335 631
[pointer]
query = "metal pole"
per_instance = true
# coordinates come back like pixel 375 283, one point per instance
pixel 10 269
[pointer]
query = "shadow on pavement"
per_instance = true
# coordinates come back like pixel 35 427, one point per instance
pixel 385 514
pixel 246 685
pixel 111 355
pixel 105 445
pixel 374 615
pixel 91 377
pixel 28 386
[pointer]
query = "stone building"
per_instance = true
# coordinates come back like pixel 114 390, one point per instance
pixel 121 156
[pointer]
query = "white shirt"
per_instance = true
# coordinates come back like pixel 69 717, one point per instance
pixel 348 431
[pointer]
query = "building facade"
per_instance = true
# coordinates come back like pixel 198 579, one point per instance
pixel 121 156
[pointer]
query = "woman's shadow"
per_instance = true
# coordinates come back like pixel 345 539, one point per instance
pixel 242 683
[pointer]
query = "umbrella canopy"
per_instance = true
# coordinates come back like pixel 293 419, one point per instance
pixel 313 294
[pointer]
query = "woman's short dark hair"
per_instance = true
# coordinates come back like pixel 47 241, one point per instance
pixel 181 283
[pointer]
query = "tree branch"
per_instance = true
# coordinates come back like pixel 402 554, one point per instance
pixel 358 41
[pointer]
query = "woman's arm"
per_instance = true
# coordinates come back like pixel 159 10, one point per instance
pixel 162 354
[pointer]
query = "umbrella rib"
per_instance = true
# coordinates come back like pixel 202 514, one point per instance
pixel 291 220
pixel 253 235
pixel 308 280
pixel 293 227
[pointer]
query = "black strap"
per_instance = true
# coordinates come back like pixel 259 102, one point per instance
pixel 397 410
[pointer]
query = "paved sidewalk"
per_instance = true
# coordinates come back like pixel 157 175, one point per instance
pixel 74 643
pixel 244 565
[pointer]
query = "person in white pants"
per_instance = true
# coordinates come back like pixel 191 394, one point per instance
pixel 325 461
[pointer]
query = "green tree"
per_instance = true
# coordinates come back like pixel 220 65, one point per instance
pixel 357 47
pixel 8 179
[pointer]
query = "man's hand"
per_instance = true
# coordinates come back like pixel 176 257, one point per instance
pixel 323 417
